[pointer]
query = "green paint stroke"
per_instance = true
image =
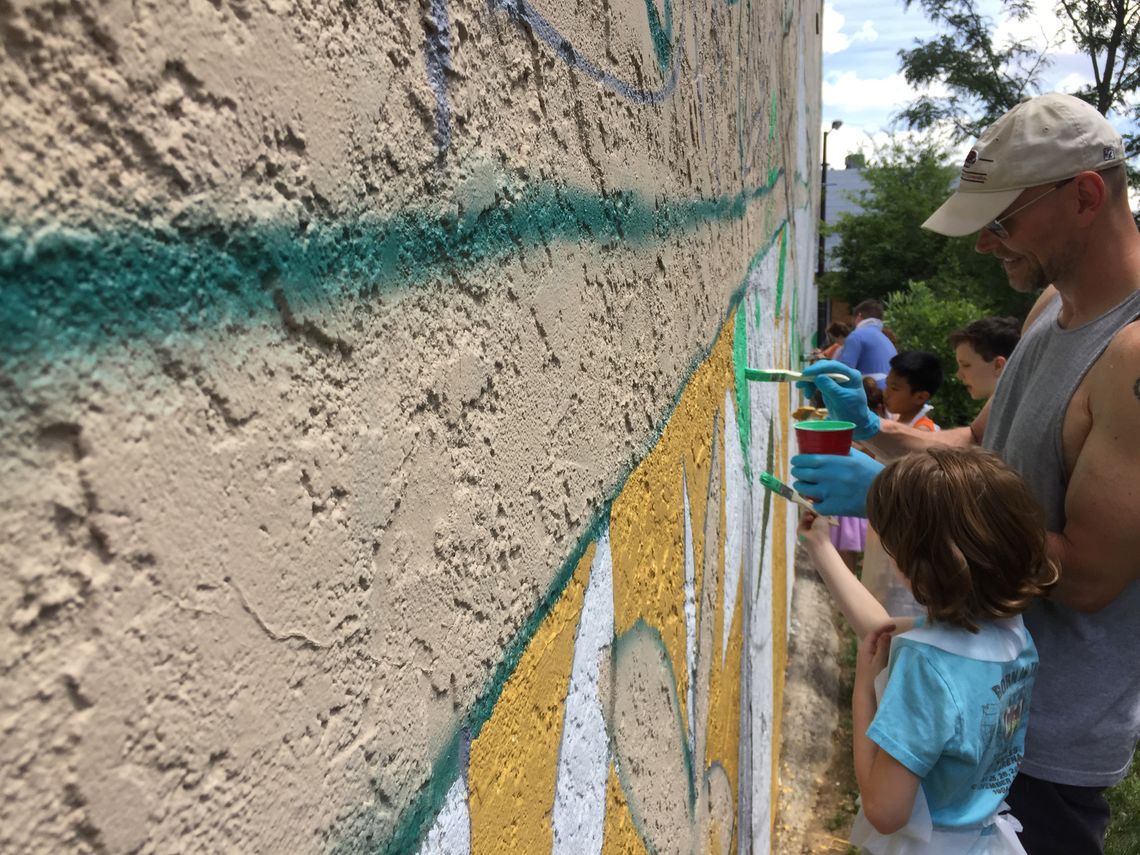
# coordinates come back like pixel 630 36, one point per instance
pixel 780 274
pixel 743 399
pixel 662 35
pixel 767 512
pixel 740 335
pixel 773 117
pixel 69 291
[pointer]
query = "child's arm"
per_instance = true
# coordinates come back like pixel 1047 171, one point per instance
pixel 887 788
pixel 858 605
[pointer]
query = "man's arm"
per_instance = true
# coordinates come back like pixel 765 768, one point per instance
pixel 895 439
pixel 1099 550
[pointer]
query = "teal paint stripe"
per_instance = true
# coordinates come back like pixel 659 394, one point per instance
pixel 72 291
pixel 662 35
pixel 362 832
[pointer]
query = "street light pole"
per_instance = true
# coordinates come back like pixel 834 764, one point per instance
pixel 836 125
pixel 821 307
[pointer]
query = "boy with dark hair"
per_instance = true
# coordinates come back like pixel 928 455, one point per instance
pixel 914 377
pixel 981 349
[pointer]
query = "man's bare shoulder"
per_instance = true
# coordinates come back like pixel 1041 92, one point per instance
pixel 1124 349
pixel 1115 378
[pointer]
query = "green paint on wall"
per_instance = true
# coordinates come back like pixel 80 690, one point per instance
pixel 71 291
pixel 662 35
pixel 743 397
pixel 767 512
pixel 773 116
pixel 780 274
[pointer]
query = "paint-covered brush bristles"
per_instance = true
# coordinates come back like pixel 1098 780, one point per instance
pixel 783 375
pixel 771 482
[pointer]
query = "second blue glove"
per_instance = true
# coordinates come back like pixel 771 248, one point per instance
pixel 838 484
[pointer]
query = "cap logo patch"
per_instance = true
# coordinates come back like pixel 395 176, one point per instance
pixel 972 158
pixel 1109 152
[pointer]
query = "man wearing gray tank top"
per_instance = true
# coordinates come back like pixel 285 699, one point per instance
pixel 1045 190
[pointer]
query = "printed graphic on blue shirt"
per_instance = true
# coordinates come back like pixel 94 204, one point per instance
pixel 1006 714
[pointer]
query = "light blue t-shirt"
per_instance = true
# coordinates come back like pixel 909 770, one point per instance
pixel 954 712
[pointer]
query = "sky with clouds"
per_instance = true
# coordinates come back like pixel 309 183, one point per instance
pixel 862 82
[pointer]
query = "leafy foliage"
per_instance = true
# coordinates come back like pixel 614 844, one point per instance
pixel 982 80
pixel 883 247
pixel 923 320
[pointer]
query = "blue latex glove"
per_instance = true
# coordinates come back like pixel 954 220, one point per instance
pixel 846 402
pixel 838 484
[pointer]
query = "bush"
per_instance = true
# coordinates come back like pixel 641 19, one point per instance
pixel 922 320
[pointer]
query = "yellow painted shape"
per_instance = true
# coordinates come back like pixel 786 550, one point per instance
pixel 647 523
pixel 620 836
pixel 723 730
pixel 514 760
pixel 724 707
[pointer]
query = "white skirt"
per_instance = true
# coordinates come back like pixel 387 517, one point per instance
pixel 997 836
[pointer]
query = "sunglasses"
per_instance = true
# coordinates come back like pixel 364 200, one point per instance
pixel 996 227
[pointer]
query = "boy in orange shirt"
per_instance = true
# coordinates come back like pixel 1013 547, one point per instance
pixel 914 377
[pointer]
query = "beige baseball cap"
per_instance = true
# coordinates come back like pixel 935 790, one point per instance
pixel 1042 140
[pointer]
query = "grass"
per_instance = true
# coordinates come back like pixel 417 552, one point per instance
pixel 1124 831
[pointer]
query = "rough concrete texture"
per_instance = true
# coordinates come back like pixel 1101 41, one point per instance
pixel 811 726
pixel 373 424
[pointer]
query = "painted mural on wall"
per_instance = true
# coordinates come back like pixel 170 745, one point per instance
pixel 379 471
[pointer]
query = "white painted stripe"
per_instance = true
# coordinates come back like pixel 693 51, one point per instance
pixel 450 834
pixel 690 612
pixel 579 811
pixel 734 512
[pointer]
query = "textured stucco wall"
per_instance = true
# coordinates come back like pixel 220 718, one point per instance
pixel 377 469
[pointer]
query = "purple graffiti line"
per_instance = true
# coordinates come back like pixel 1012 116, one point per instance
pixel 522 13
pixel 437 53
pixel 438 58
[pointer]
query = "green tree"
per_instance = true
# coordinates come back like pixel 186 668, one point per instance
pixel 981 80
pixel 922 319
pixel 883 247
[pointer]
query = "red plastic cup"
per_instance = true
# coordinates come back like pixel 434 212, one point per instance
pixel 824 437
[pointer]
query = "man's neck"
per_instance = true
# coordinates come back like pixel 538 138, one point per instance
pixel 1108 273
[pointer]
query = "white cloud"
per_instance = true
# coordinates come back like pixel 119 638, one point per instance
pixel 853 94
pixel 834 39
pixel 1072 82
pixel 1042 28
